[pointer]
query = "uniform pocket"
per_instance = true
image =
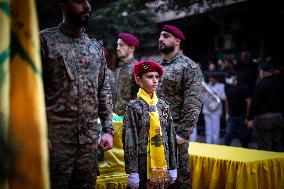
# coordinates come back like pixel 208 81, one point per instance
pixel 60 68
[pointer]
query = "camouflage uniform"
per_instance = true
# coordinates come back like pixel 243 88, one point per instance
pixel 136 125
pixel 111 77
pixel 76 94
pixel 126 88
pixel 181 87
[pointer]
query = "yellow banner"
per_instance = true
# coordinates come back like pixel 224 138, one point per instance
pixel 22 95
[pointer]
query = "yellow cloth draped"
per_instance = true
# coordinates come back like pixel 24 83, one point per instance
pixel 112 168
pixel 156 162
pixel 22 106
pixel 213 167
pixel 218 166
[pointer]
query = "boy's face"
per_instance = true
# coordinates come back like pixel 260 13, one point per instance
pixel 148 81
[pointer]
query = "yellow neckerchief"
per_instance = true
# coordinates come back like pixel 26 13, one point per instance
pixel 156 162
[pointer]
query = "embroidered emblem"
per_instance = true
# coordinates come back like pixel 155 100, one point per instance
pixel 165 112
pixel 145 65
pixel 157 139
pixel 153 108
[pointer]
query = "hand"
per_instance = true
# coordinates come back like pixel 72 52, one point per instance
pixel 180 140
pixel 250 124
pixel 172 176
pixel 133 181
pixel 106 142
pixel 227 117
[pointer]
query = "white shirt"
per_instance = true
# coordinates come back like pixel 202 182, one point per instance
pixel 219 90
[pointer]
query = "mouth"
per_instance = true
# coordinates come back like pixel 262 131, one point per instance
pixel 88 14
pixel 161 44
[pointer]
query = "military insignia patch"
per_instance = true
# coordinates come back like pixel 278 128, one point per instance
pixel 145 66
pixel 165 112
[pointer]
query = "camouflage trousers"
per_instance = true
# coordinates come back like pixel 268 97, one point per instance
pixel 183 172
pixel 73 166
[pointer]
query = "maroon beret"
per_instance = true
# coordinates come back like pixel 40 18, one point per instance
pixel 145 66
pixel 129 39
pixel 174 30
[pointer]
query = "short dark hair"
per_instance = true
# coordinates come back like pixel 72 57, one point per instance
pixel 230 73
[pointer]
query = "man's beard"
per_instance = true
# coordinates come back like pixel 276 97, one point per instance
pixel 166 49
pixel 77 20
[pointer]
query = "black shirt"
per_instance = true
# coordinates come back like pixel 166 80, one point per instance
pixel 236 96
pixel 268 97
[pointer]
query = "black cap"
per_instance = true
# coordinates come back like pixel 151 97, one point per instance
pixel 230 73
pixel 265 67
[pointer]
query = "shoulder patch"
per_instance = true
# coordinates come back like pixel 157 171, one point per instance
pixel 191 63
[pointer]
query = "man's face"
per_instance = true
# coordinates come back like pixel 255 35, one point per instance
pixel 123 49
pixel 79 12
pixel 167 42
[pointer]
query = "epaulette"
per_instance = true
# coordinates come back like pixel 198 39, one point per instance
pixel 100 45
pixel 191 62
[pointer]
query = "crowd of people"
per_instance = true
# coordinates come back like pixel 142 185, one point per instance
pixel 239 86
pixel 160 102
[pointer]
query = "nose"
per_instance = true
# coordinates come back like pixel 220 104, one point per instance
pixel 155 80
pixel 87 5
pixel 160 38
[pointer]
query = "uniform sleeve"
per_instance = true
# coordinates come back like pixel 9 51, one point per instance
pixel 105 98
pixel 44 59
pixel 171 142
pixel 192 101
pixel 130 141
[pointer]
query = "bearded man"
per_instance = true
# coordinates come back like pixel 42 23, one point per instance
pixel 181 88
pixel 77 93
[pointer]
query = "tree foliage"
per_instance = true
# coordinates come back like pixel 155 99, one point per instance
pixel 122 16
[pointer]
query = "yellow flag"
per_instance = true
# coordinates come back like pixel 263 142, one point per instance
pixel 4 89
pixel 22 104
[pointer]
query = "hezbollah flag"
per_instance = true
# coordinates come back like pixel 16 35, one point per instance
pixel 22 106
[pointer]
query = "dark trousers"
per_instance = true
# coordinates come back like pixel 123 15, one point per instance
pixel 73 166
pixel 183 171
pixel 235 123
pixel 269 130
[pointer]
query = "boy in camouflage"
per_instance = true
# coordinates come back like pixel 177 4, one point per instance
pixel 148 136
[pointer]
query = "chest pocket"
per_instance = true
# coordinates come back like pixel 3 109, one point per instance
pixel 58 67
pixel 170 83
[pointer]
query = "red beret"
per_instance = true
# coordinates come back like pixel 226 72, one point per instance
pixel 129 39
pixel 145 66
pixel 174 30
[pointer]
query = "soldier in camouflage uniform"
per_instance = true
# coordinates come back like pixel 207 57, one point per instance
pixel 181 87
pixel 76 94
pixel 126 88
pixel 136 125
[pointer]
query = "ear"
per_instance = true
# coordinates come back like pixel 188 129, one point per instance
pixel 178 41
pixel 63 5
pixel 131 48
pixel 138 80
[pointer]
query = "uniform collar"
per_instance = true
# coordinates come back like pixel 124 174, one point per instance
pixel 122 63
pixel 176 56
pixel 67 30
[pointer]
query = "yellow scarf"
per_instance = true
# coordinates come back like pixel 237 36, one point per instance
pixel 156 162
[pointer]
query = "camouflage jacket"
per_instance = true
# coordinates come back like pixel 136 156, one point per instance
pixel 126 88
pixel 76 87
pixel 136 125
pixel 181 88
